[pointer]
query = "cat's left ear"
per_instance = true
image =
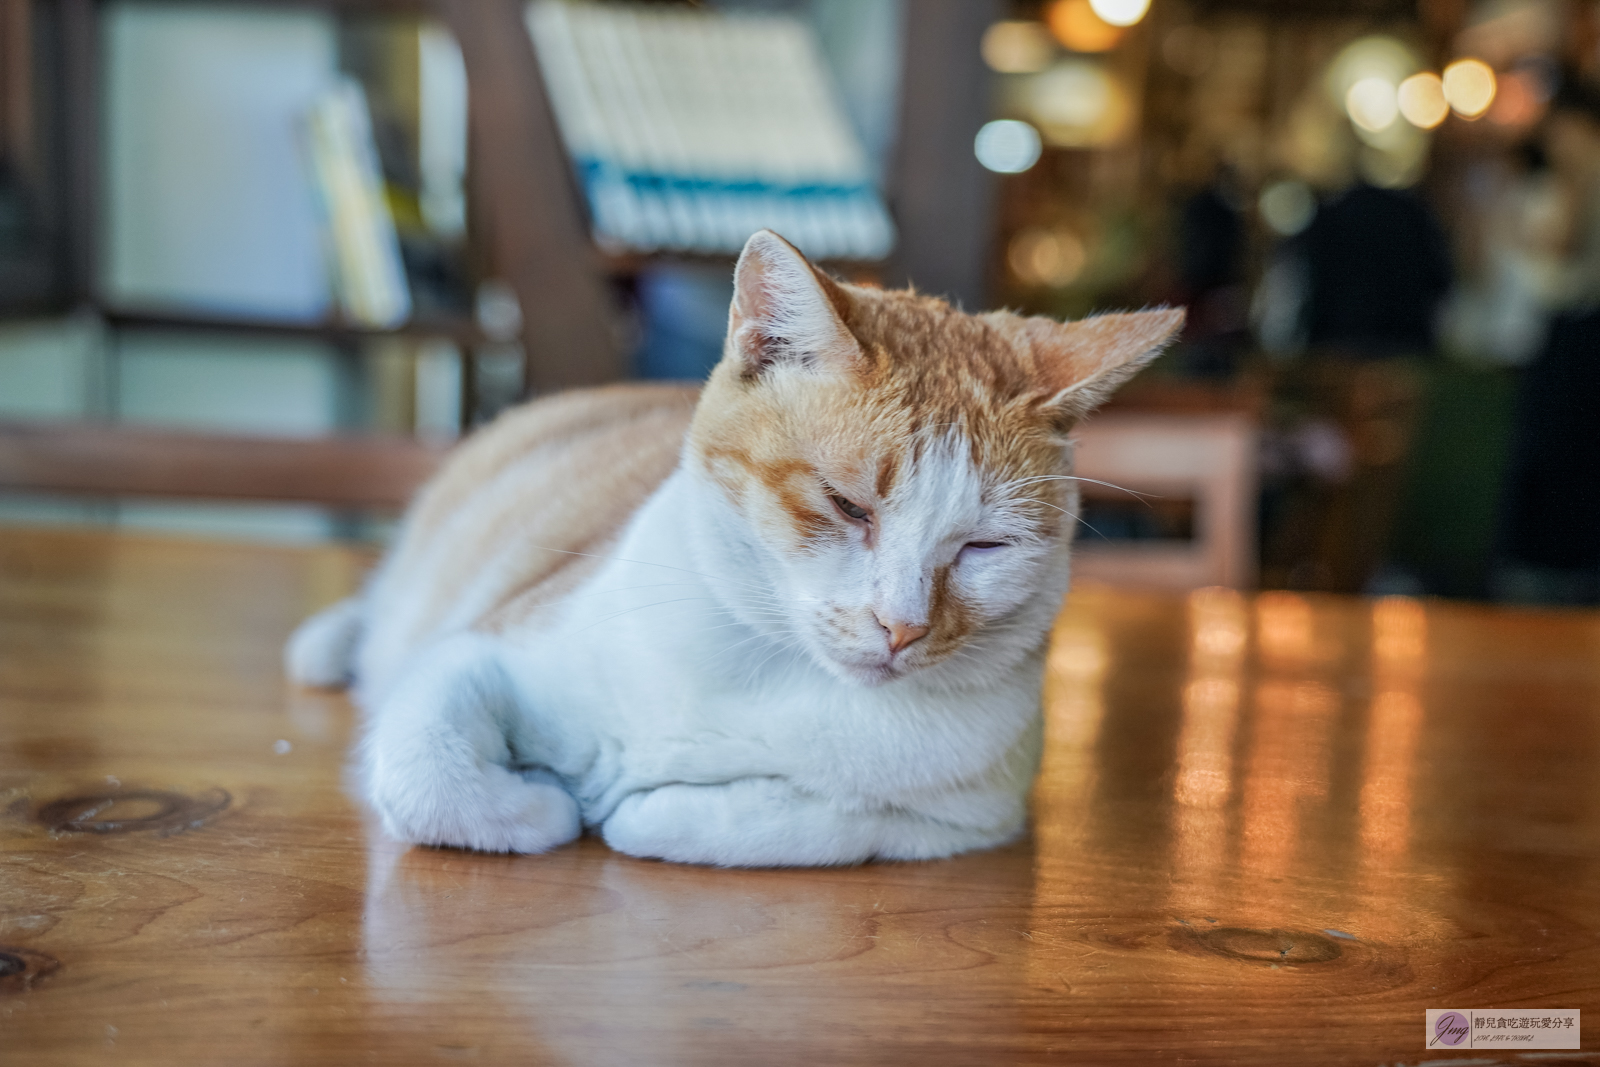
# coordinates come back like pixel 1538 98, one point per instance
pixel 1082 363
pixel 785 311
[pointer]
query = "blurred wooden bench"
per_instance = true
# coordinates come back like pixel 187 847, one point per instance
pixel 353 473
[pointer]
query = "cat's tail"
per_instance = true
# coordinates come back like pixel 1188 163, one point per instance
pixel 321 651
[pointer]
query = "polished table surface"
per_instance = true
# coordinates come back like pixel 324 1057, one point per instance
pixel 1269 830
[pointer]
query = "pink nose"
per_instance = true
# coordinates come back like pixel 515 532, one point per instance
pixel 902 634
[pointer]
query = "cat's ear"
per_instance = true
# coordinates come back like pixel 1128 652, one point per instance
pixel 1082 363
pixel 786 311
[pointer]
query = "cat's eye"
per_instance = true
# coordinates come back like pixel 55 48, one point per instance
pixel 855 511
pixel 983 545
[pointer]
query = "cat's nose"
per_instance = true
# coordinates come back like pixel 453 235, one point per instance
pixel 902 634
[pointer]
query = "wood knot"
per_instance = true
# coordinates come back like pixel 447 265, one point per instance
pixel 20 968
pixel 123 811
pixel 1266 946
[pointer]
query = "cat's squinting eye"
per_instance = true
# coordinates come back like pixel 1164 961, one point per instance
pixel 855 511
pixel 983 545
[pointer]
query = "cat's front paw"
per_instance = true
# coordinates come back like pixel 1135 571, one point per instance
pixel 659 824
pixel 490 809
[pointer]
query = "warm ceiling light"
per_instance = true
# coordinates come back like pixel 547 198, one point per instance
pixel 1376 56
pixel 1077 27
pixel 1469 87
pixel 1421 100
pixel 1371 105
pixel 1120 12
pixel 1018 46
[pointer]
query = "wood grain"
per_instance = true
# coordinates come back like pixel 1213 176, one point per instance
pixel 1268 831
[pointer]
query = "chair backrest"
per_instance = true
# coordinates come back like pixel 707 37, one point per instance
pixel 1209 459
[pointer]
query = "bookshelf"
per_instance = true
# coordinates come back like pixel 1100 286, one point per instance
pixel 462 331
pixel 524 229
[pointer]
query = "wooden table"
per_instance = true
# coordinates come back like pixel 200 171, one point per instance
pixel 1268 831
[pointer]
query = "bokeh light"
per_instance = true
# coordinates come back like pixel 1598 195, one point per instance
pixel 1076 26
pixel 1053 258
pixel 1519 100
pixel 1287 207
pixel 1371 104
pixel 1120 12
pixel 1469 86
pixel 1077 104
pixel 1421 100
pixel 1019 46
pixel 1007 146
pixel 1377 56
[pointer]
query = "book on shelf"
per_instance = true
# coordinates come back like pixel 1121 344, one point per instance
pixel 692 129
pixel 364 248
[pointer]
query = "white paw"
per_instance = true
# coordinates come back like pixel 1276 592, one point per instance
pixel 448 797
pixel 646 824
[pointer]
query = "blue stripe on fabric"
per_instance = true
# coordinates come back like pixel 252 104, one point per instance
pixel 596 172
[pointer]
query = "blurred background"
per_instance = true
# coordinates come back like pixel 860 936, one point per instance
pixel 261 262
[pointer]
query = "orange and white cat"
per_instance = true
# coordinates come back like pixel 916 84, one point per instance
pixel 796 619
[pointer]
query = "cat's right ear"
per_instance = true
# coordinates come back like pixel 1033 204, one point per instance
pixel 785 311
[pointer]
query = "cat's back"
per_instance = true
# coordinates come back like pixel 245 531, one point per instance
pixel 517 513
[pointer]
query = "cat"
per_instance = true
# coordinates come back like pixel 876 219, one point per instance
pixel 797 618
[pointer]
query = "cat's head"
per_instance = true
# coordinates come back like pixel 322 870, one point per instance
pixel 887 472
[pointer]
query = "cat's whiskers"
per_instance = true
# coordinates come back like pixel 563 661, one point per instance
pixel 1020 482
pixel 757 636
pixel 640 607
pixel 778 647
pixel 718 608
pixel 726 625
pixel 1068 514
pixel 777 638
